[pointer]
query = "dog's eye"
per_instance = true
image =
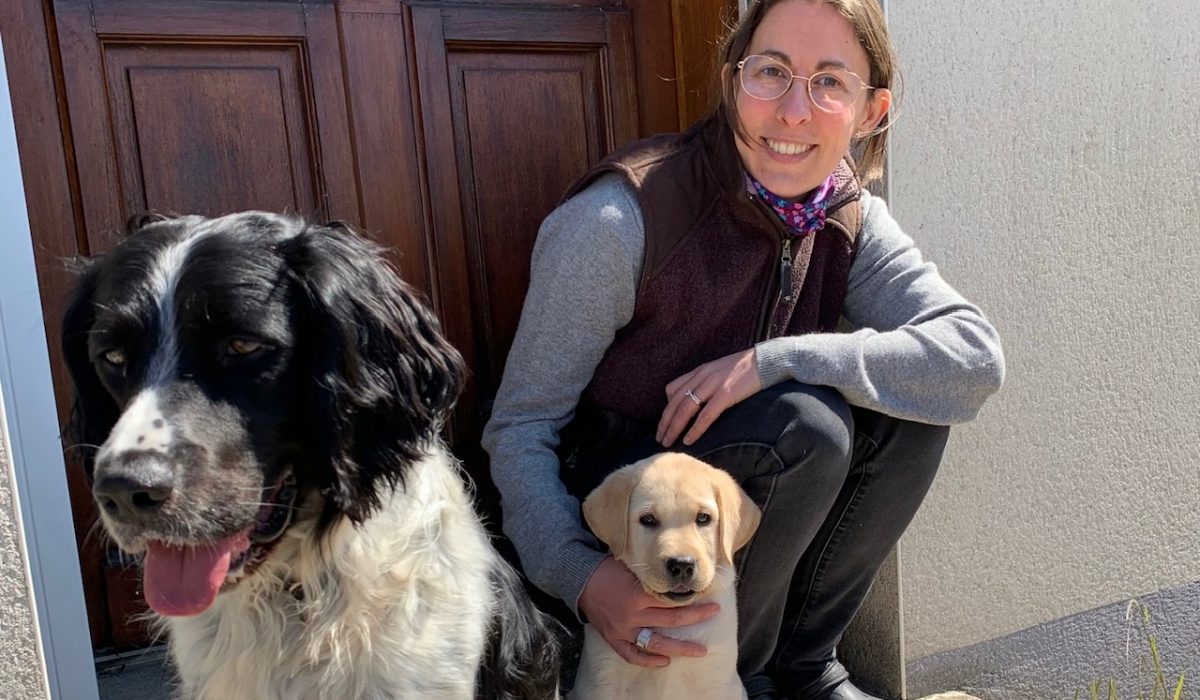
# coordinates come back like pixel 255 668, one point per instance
pixel 648 520
pixel 703 519
pixel 243 347
pixel 115 357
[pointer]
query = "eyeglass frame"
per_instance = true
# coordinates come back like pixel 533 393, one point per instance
pixel 792 81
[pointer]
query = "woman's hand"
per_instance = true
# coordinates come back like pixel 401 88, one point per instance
pixel 715 386
pixel 617 606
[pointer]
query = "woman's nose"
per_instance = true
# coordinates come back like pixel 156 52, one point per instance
pixel 795 107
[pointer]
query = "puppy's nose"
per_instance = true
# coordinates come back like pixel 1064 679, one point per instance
pixel 132 487
pixel 681 568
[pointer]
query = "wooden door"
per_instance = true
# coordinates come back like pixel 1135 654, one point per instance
pixel 516 103
pixel 194 107
pixel 445 129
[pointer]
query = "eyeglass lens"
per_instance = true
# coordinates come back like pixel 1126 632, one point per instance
pixel 766 78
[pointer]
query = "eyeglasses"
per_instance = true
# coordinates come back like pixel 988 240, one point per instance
pixel 765 78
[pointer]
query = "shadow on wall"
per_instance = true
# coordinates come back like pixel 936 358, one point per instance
pixel 1054 660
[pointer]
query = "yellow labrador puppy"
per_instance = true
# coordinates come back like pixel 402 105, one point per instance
pixel 675 522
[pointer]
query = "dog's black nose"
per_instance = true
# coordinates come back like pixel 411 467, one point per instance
pixel 131 488
pixel 681 568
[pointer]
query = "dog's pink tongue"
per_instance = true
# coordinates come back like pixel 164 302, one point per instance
pixel 182 581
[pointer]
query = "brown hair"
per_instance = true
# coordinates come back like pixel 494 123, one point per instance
pixel 870 27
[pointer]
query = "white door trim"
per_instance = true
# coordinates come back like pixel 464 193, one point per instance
pixel 36 453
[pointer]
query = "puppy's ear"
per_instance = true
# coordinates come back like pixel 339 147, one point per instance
pixel 94 412
pixel 606 509
pixel 739 516
pixel 385 378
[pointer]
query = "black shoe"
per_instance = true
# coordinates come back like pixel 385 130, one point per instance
pixel 761 687
pixel 833 683
pixel 842 691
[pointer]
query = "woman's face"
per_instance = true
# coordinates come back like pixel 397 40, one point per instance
pixel 793 146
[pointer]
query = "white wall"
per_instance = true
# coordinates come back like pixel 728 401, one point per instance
pixel 1047 157
pixel 22 670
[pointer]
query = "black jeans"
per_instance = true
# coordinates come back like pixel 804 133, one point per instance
pixel 837 486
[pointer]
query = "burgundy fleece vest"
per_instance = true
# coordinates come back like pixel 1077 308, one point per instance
pixel 711 279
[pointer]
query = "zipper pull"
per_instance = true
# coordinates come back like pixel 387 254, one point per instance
pixel 785 270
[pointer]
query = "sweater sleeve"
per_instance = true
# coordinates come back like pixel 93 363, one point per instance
pixel 583 282
pixel 921 352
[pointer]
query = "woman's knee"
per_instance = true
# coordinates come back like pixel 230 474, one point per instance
pixel 783 429
pixel 815 427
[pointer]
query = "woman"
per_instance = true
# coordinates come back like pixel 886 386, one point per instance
pixel 687 296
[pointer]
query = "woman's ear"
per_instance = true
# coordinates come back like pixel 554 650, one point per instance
pixel 879 103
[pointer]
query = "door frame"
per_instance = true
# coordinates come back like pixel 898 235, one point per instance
pixel 42 503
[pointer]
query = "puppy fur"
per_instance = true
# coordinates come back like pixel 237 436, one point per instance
pixel 676 523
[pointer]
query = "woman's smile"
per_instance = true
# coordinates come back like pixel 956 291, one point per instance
pixel 787 151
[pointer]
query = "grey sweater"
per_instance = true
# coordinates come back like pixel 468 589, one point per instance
pixel 921 352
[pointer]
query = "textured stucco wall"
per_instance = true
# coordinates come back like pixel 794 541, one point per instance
pixel 22 674
pixel 1047 157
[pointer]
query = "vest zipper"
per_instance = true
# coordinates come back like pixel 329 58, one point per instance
pixel 784 291
pixel 785 271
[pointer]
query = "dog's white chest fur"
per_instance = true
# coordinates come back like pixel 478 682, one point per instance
pixel 395 608
pixel 605 676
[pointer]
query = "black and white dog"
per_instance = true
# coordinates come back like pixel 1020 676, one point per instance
pixel 264 397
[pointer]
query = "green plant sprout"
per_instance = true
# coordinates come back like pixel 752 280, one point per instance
pixel 1107 689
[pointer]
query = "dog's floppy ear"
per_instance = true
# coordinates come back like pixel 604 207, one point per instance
pixel 94 411
pixel 385 378
pixel 739 516
pixel 606 509
pixel 141 220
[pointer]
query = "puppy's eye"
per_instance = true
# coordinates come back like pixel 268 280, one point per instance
pixel 648 520
pixel 115 357
pixel 243 347
pixel 703 519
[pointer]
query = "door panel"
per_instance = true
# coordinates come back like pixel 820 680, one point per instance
pixel 503 203
pixel 206 124
pixel 205 107
pixel 517 104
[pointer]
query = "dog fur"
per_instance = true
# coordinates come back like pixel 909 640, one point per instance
pixel 675 522
pixel 263 398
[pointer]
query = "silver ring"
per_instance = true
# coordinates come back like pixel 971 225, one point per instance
pixel 643 638
pixel 692 395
